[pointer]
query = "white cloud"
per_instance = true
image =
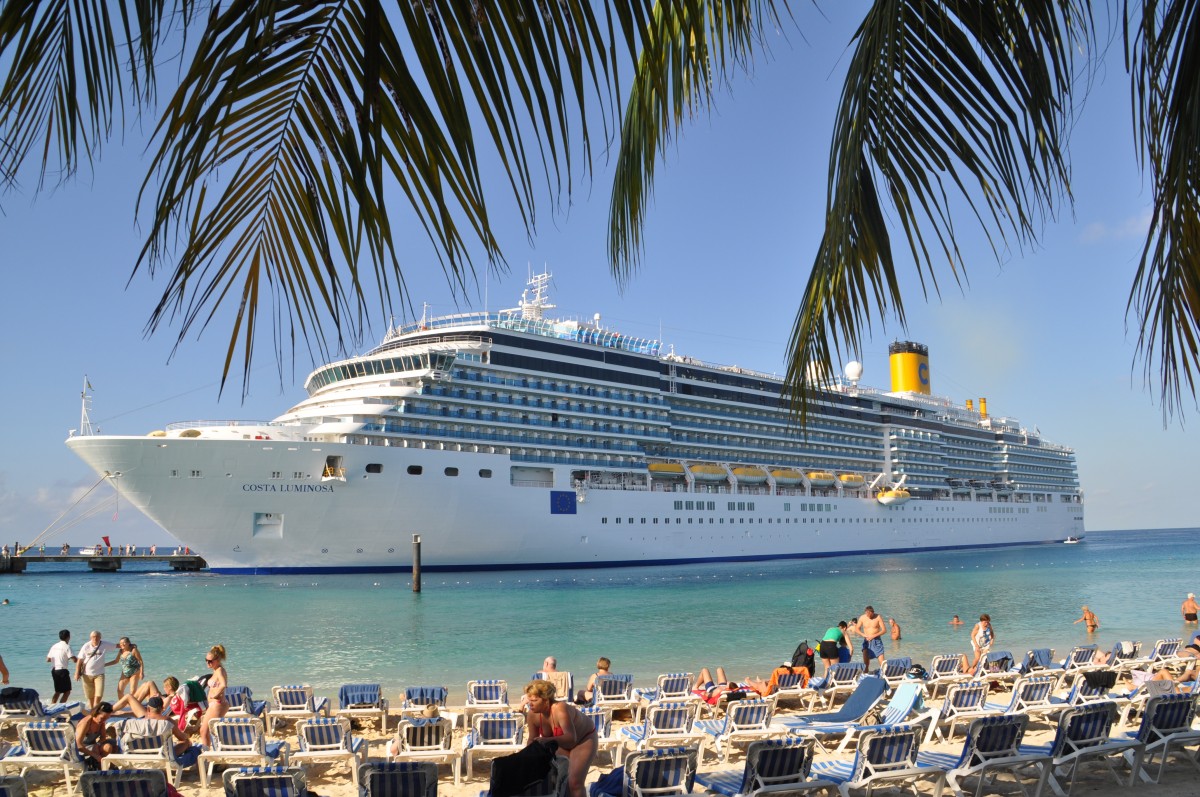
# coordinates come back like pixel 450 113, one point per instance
pixel 1126 229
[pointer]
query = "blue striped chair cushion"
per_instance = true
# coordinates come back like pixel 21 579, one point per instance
pixel 424 695
pixel 359 695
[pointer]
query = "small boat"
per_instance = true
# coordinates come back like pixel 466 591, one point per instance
pixel 750 475
pixel 851 481
pixel 892 497
pixel 786 476
pixel 665 470
pixel 820 478
pixel 707 473
pixel 1002 486
pixel 1072 540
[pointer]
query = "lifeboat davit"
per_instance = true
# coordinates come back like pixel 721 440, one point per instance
pixel 787 476
pixel 665 470
pixel 707 473
pixel 892 497
pixel 820 478
pixel 750 475
pixel 851 481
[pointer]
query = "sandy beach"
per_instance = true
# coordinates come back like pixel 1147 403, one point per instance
pixel 1180 779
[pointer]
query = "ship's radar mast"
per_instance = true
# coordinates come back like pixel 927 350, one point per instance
pixel 535 308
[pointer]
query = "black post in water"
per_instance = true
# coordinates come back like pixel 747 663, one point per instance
pixel 416 563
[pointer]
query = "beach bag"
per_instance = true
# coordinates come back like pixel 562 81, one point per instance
pixel 527 769
pixel 917 673
pixel 804 656
pixel 610 784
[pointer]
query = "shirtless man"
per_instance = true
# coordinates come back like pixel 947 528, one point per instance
pixel 152 722
pixel 871 628
pixel 1090 619
pixel 1190 608
pixel 895 629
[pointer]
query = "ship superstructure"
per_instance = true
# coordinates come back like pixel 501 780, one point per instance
pixel 512 439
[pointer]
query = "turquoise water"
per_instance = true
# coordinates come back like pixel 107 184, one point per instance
pixel 329 630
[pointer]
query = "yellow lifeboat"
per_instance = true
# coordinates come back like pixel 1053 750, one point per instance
pixel 665 470
pixel 820 478
pixel 786 476
pixel 851 481
pixel 190 433
pixel 891 497
pixel 157 433
pixel 750 475
pixel 707 473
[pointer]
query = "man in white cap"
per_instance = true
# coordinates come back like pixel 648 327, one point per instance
pixel 1189 608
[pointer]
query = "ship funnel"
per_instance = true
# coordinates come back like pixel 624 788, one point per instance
pixel 970 405
pixel 910 367
pixel 983 409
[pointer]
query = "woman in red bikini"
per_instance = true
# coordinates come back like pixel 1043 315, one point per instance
pixel 565 724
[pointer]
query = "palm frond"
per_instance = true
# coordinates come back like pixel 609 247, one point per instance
pixel 1163 55
pixel 69 65
pixel 947 103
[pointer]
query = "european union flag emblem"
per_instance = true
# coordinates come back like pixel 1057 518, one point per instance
pixel 562 502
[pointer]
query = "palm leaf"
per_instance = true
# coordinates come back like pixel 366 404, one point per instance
pixel 946 105
pixel 1163 52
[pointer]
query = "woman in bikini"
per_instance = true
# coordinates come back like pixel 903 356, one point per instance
pixel 563 723
pixel 218 706
pixel 91 735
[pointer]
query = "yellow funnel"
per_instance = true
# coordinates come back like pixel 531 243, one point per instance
pixel 910 367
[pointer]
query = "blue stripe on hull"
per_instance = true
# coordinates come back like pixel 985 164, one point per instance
pixel 425 568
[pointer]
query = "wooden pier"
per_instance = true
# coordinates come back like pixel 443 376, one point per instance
pixel 101 563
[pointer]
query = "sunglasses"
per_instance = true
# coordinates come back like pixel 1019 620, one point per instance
pixel 210 661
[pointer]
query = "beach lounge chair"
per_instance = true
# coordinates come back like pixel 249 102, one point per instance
pixel 25 706
pixel 295 702
pixel 363 700
pixel 660 772
pixel 564 683
pixel 964 702
pixel 124 783
pixel 666 725
pixel 325 740
pixel 1164 652
pixel 145 752
pixel 883 756
pixel 1084 734
pixel 398 779
pixel 1080 657
pixel 44 745
pixel 771 765
pixel 944 670
pixel 1089 687
pixel 265 782
pixel 861 702
pixel 614 692
pixel 493 732
pixel 839 679
pixel 486 695
pixel 241 742
pixel 606 741
pixel 417 698
pixel 992 746
pixel 1135 701
pixel 1037 660
pixel 745 721
pixel 998 665
pixel 895 671
pixel 428 739
pixel 1166 728
pixel 12 785
pixel 1031 695
pixel 671 686
pixel 794 686
pixel 242 703
pixel 906 701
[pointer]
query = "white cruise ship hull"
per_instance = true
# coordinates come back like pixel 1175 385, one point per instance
pixel 253 506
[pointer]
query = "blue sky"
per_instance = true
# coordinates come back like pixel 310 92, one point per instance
pixel 729 238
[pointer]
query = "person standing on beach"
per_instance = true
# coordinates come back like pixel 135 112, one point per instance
pixel 60 658
pixel 559 721
pixel 1190 608
pixel 1090 619
pixel 831 644
pixel 218 706
pixel 982 637
pixel 89 668
pixel 871 628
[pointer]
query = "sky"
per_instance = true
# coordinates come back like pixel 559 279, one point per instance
pixel 733 226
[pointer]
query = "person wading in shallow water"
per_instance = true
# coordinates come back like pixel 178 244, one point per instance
pixel 1089 617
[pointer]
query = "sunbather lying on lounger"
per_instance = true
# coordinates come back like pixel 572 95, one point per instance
pixel 711 689
pixel 771 685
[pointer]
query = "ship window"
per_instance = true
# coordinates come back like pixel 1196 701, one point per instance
pixel 618 520
pixel 688 505
pixel 174 474
pixel 787 507
pixel 196 474
pixel 297 474
pixel 415 470
pixel 451 471
pixel 603 521
pixel 374 467
pixel 485 473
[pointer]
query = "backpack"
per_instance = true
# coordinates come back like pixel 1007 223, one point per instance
pixel 804 656
pixel 917 673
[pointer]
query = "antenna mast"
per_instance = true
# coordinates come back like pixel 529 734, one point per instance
pixel 85 399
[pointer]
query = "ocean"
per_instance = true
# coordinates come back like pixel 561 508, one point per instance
pixel 330 630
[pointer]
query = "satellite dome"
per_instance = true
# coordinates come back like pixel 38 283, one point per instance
pixel 854 370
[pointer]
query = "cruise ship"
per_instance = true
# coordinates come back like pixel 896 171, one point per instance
pixel 514 440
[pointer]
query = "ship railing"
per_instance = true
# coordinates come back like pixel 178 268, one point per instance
pixel 196 424
pixel 533 483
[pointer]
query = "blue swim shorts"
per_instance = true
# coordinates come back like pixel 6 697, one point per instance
pixel 873 648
